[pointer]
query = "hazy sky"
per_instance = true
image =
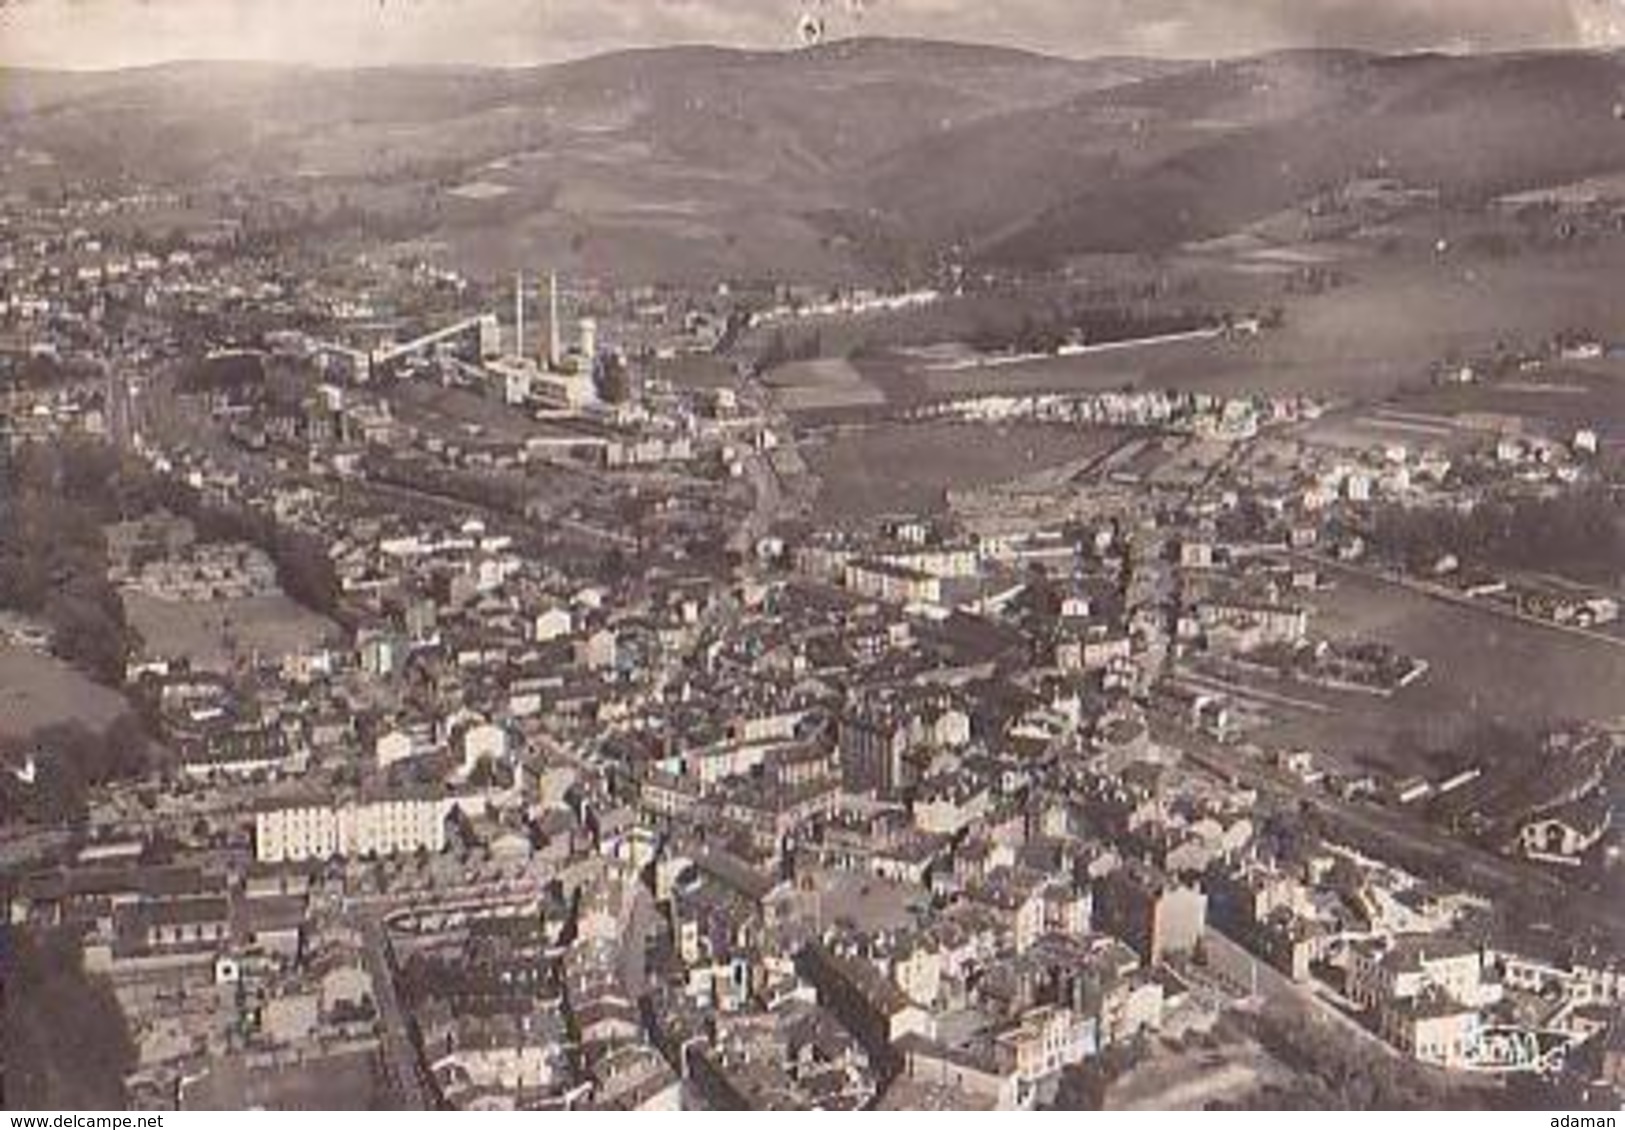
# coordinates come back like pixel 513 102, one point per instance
pixel 108 33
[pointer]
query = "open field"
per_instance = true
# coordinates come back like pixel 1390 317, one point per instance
pixel 696 371
pixel 1361 427
pixel 827 384
pixel 1484 668
pixel 1191 1080
pixel 1561 399
pixel 1399 316
pixel 1393 320
pixel 206 634
pixel 1384 327
pixel 459 414
pixel 1097 373
pixel 908 468
pixel 38 691
pixel 866 903
pixel 344 1082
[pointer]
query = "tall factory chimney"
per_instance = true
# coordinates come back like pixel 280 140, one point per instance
pixel 553 349
pixel 519 314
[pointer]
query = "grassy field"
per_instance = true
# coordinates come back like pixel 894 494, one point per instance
pixel 816 386
pixel 1484 668
pixel 908 468
pixel 204 633
pixel 38 691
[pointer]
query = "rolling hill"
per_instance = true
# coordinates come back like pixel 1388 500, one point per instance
pixel 854 157
pixel 1281 130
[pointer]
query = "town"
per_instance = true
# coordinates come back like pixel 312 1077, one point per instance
pixel 425 691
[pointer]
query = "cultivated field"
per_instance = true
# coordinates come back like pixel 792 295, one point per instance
pixel 1393 320
pixel 38 691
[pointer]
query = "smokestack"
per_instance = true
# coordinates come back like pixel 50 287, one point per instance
pixel 519 315
pixel 589 342
pixel 553 349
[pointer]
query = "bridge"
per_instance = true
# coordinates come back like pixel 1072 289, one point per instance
pixel 479 336
pixel 480 331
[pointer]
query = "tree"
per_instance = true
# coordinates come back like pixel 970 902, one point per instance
pixel 613 378
pixel 70 760
pixel 90 632
pixel 62 1033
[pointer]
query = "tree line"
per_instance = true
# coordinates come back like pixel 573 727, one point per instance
pixel 1578 533
pixel 53 559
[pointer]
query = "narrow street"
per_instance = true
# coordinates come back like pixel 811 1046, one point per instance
pixel 402 1065
pixel 643 922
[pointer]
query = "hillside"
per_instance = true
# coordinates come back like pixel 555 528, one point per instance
pixel 1278 131
pixel 858 156
pixel 814 110
pixel 687 160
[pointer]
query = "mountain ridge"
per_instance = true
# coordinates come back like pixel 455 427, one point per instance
pixel 850 156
